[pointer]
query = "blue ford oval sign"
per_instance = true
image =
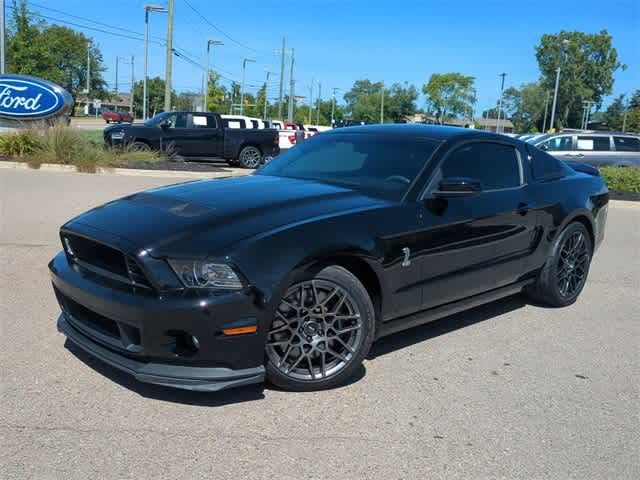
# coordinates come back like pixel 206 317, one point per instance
pixel 26 97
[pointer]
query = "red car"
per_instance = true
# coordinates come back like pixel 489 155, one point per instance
pixel 117 117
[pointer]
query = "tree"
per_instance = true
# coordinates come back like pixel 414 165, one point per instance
pixel 449 94
pixel 188 101
pixel 155 96
pixel 524 106
pixel 53 52
pixel 363 101
pixel 614 114
pixel 587 67
pixel 400 102
pixel 217 97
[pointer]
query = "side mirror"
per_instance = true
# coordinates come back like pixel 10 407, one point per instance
pixel 543 147
pixel 457 187
pixel 165 124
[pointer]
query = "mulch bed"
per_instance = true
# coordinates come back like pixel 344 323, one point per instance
pixel 628 196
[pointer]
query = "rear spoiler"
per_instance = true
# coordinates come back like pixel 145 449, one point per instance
pixel 584 168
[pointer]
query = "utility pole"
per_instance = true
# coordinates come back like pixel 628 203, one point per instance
pixel 88 69
pixel 117 59
pixel 310 100
pixel 264 116
pixel 292 87
pixel 2 38
pixel 546 107
pixel 133 81
pixel 318 100
pixel 333 106
pixel 244 68
pixel 563 44
pixel 382 104
pixel 624 119
pixel 281 96
pixel 169 65
pixel 503 74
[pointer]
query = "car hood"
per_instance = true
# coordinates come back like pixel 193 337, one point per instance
pixel 199 218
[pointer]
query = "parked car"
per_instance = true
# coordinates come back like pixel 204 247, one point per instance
pixel 197 134
pixel 594 148
pixel 291 273
pixel 117 117
pixel 236 121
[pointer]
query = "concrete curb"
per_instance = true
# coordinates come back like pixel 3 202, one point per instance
pixel 52 167
pixel 223 172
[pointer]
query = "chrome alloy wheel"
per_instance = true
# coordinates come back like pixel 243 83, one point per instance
pixel 572 264
pixel 316 331
pixel 250 157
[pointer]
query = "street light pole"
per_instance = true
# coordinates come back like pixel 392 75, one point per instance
pixel 169 63
pixel 133 81
pixel 205 87
pixel 333 106
pixel 147 10
pixel 546 108
pixel 244 67
pixel 264 116
pixel 382 104
pixel 564 43
pixel 310 100
pixel 503 74
pixel 318 103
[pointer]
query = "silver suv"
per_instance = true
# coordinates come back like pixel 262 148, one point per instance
pixel 595 148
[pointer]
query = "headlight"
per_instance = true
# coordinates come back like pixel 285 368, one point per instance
pixel 197 274
pixel 119 135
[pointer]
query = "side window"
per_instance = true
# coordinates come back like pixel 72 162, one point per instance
pixel 627 144
pixel 543 165
pixel 254 123
pixel 495 165
pixel 595 144
pixel 204 121
pixel 177 120
pixel 558 144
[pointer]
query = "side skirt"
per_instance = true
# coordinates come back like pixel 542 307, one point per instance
pixel 432 314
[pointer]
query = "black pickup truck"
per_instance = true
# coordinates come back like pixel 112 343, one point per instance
pixel 197 134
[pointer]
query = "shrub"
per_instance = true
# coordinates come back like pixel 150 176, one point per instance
pixel 624 179
pixel 68 146
pixel 20 143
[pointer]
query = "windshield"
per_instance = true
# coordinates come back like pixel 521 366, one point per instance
pixel 153 121
pixel 371 163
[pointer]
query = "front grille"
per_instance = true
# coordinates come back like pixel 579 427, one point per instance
pixel 103 260
pixel 98 326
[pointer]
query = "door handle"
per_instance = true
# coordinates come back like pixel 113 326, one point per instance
pixel 578 155
pixel 522 209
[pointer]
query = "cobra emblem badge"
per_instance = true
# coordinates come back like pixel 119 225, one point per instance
pixel 407 253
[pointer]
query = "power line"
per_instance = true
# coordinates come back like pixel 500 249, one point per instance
pixel 219 30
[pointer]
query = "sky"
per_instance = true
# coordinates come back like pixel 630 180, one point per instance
pixel 338 42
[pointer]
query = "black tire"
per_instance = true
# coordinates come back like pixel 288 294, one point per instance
pixel 562 269
pixel 140 147
pixel 353 316
pixel 250 157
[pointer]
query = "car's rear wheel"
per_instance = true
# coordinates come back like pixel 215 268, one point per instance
pixel 250 157
pixel 321 332
pixel 565 272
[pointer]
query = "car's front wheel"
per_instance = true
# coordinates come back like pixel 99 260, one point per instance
pixel 564 274
pixel 321 332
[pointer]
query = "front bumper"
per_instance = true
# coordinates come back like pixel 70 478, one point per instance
pixel 176 376
pixel 140 332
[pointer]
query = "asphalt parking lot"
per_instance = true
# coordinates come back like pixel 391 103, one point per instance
pixel 509 390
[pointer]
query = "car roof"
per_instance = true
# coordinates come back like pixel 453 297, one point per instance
pixel 434 132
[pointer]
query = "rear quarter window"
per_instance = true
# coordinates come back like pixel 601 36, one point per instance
pixel 544 166
pixel 626 144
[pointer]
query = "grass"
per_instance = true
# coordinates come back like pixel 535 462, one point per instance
pixel 68 146
pixel 623 179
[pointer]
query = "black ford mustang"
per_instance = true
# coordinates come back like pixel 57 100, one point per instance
pixel 292 273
